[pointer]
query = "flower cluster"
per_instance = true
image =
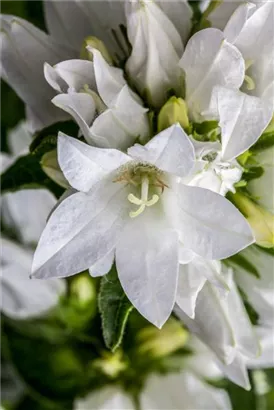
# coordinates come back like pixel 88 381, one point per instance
pixel 173 124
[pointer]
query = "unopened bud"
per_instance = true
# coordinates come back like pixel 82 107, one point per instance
pixel 161 342
pixel 260 220
pixel 83 291
pixel 50 166
pixel 111 364
pixel 174 111
pixel 94 42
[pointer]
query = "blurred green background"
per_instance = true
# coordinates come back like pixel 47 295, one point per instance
pixel 68 359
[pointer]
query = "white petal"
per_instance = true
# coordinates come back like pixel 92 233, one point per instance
pixel 210 225
pixel 80 232
pixel 116 129
pixel 212 271
pixel 237 21
pixel 171 151
pixel 109 79
pixel 21 297
pixel 103 266
pixel 148 266
pixel 83 165
pixel 237 371
pixel 105 20
pixel 258 290
pixel 266 358
pixel 156 46
pixel 246 340
pixel 26 212
pixel 54 79
pixel 24 49
pixel 221 14
pixel 180 13
pixel 67 22
pixel 190 282
pixel 240 114
pixel 19 138
pixel 108 398
pixel 76 73
pixel 211 323
pixel 185 255
pixel 209 60
pixel 182 391
pixel 80 106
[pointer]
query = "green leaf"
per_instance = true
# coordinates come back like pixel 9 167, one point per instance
pixel 241 261
pixel 46 139
pixel 253 173
pixel 115 308
pixel 264 142
pixel 26 173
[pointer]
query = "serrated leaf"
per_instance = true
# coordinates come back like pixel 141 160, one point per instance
pixel 46 139
pixel 241 261
pixel 115 308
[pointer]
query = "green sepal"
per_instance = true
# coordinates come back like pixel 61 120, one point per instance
pixel 264 142
pixel 115 308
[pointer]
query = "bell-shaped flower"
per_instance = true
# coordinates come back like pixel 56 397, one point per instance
pixel 156 50
pixel 136 207
pixel 251 30
pixel 209 60
pixel 258 287
pixel 90 89
pixel 262 188
pixel 222 323
pixel 26 211
pixel 194 272
pixel 24 49
pixel 182 390
pixel 238 114
pixel 22 297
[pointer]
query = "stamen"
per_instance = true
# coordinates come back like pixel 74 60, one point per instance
pixel 143 201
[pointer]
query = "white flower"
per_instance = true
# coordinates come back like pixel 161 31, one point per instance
pixel 156 49
pixel 184 390
pixel 88 87
pixel 222 323
pixel 209 61
pixel 23 297
pixel 136 206
pixel 24 211
pixel 262 188
pixel 251 30
pixel 238 114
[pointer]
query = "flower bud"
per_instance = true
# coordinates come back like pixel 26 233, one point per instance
pixel 111 364
pixel 83 290
pixel 94 42
pixel 174 110
pixel 161 342
pixel 260 220
pixel 50 166
pixel 262 188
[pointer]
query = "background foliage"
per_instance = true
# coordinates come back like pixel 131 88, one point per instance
pixel 56 357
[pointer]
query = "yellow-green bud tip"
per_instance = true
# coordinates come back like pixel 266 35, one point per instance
pixel 174 111
pixel 94 42
pixel 260 220
pixel 50 166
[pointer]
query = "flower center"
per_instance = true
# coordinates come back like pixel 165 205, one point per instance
pixel 143 201
pixel 147 185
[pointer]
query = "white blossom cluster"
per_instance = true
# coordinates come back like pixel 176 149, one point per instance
pixel 153 200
